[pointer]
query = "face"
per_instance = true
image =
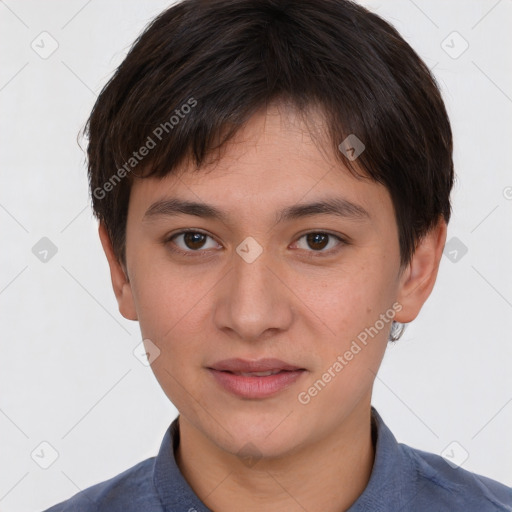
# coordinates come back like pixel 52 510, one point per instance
pixel 267 277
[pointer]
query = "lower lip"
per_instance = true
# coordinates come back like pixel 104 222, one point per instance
pixel 256 387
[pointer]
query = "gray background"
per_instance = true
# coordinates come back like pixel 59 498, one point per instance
pixel 68 375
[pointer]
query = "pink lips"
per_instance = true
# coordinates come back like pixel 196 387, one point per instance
pixel 269 376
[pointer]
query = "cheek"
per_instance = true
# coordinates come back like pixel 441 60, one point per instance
pixel 351 350
pixel 168 297
pixel 351 303
pixel 352 298
pixel 172 311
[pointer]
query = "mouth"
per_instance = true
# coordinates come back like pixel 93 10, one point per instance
pixel 255 379
pixel 256 374
pixel 258 368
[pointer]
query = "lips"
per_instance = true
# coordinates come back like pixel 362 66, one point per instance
pixel 259 368
pixel 251 380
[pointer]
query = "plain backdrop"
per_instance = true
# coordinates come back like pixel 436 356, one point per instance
pixel 68 376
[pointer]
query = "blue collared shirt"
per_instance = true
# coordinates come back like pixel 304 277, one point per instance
pixel 402 479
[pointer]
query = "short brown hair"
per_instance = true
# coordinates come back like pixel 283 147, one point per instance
pixel 201 69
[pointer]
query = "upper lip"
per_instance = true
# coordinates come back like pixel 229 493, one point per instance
pixel 247 366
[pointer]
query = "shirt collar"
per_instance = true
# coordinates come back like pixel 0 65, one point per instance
pixel 174 491
pixel 393 477
pixel 390 486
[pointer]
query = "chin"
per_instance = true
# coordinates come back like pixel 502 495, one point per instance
pixel 257 434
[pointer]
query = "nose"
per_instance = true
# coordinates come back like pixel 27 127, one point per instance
pixel 254 302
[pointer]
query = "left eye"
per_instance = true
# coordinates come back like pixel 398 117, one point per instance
pixel 319 241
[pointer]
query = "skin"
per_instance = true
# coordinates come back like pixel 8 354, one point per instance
pixel 299 302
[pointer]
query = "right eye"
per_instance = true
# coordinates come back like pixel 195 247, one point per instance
pixel 189 242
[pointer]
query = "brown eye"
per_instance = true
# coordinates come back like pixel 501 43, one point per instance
pixel 320 242
pixel 191 241
pixel 194 240
pixel 317 241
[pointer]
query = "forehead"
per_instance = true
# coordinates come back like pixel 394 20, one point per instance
pixel 274 161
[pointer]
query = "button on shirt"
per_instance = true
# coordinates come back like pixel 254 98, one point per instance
pixel 402 479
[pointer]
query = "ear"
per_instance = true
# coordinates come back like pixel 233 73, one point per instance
pixel 120 282
pixel 418 278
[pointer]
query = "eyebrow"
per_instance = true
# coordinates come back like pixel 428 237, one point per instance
pixel 337 206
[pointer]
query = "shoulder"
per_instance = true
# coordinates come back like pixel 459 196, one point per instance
pixel 132 489
pixel 450 487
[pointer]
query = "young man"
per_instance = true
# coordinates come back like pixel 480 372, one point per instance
pixel 272 181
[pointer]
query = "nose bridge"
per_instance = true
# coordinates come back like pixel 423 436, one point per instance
pixel 251 280
pixel 254 300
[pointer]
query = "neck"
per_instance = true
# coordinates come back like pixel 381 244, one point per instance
pixel 327 476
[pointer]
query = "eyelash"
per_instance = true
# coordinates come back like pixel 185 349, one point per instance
pixel 200 252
